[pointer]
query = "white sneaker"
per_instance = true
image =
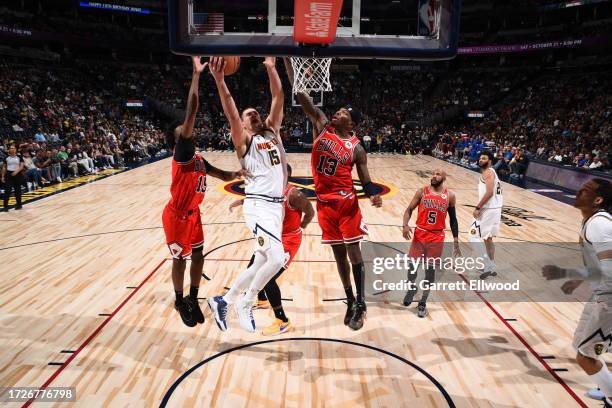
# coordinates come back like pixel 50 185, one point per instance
pixel 244 310
pixel 595 394
pixel 219 308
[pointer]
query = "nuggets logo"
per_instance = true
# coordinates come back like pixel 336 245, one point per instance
pixel 260 241
pixel 472 231
pixel 599 348
pixel 306 185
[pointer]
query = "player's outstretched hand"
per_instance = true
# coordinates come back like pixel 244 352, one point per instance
pixel 456 250
pixel 406 231
pixel 376 201
pixel 569 286
pixel 217 67
pixel 552 272
pixel 235 204
pixel 476 214
pixel 197 64
pixel 270 62
pixel 242 173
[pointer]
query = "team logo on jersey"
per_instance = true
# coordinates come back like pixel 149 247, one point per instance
pixel 598 348
pixel 306 185
pixel 443 196
pixel 348 144
pixel 260 241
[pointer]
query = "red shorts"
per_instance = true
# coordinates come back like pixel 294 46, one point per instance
pixel 341 221
pixel 426 244
pixel 291 244
pixel 183 231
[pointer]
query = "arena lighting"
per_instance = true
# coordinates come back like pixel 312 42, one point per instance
pixel 114 7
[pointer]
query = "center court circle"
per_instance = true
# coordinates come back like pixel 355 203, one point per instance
pixel 186 374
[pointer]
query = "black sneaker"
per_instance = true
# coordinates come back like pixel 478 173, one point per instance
pixel 408 297
pixel 349 312
pixel 186 314
pixel 195 309
pixel 487 274
pixel 606 405
pixel 18 207
pixel 358 315
pixel 422 310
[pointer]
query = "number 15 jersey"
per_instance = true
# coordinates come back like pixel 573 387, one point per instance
pixel 332 163
pixel 265 160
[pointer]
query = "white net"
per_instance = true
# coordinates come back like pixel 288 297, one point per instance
pixel 311 74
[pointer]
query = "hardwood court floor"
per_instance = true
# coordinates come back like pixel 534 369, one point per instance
pixel 85 283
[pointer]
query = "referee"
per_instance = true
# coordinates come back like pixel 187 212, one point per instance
pixel 12 176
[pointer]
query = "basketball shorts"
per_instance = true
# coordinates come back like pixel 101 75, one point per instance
pixel 487 225
pixel 291 244
pixel 183 231
pixel 593 334
pixel 426 244
pixel 341 221
pixel 265 220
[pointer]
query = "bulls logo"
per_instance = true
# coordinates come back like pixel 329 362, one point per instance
pixel 348 145
pixel 443 196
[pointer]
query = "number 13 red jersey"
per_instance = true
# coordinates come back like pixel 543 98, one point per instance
pixel 188 183
pixel 332 163
pixel 432 210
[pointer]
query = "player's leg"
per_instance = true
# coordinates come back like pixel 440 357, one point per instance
pixel 344 270
pixel 416 252
pixel 591 341
pixel 17 181
pixel 353 228
pixel 197 266
pixel 273 293
pixel 262 300
pixel 174 229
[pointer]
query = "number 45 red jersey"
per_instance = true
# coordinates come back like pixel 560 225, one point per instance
pixel 188 183
pixel 332 163
pixel 432 210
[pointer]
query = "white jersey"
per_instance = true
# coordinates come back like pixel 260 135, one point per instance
pixel 596 236
pixel 496 200
pixel 265 160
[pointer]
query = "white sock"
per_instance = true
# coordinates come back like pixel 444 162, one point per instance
pixel 603 379
pixel 245 279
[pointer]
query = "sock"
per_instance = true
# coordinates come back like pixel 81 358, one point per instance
pixel 193 292
pixel 359 276
pixel 603 379
pixel 279 313
pixel 349 294
pixel 179 296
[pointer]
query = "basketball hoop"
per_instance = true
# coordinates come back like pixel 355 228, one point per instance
pixel 311 74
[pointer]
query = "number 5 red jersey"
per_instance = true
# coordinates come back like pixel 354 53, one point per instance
pixel 188 183
pixel 432 210
pixel 332 163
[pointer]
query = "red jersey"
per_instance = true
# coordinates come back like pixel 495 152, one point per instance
pixel 188 183
pixel 293 216
pixel 332 163
pixel 432 210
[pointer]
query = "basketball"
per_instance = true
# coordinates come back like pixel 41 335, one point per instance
pixel 231 65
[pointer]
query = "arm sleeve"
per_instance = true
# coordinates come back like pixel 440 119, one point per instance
pixel 454 225
pixel 184 150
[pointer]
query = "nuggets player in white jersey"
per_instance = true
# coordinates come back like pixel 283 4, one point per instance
pixel 593 335
pixel 487 214
pixel 260 150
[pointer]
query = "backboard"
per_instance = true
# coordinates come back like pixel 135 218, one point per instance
pixel 389 29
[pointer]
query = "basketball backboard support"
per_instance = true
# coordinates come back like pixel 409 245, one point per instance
pixel 366 29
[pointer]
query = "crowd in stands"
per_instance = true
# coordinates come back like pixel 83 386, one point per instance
pixel 70 121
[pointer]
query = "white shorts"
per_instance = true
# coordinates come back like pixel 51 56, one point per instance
pixel 265 220
pixel 487 225
pixel 592 337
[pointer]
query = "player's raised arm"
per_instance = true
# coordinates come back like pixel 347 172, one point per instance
pixel 316 115
pixel 360 159
pixel 239 137
pixel 298 200
pixel 414 203
pixel 186 131
pixel 275 118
